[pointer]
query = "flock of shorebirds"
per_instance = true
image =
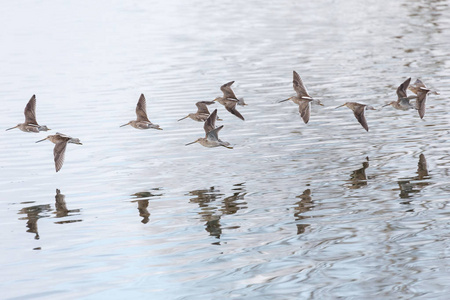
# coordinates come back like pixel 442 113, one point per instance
pixel 230 101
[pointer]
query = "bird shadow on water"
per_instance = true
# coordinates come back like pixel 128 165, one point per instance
pixel 36 212
pixel 211 211
pixel 62 210
pixel 304 205
pixel 409 186
pixel 33 214
pixel 142 199
pixel 358 177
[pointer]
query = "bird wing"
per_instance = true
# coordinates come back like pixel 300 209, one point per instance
pixel 299 87
pixel 213 135
pixel 202 106
pixel 231 107
pixel 305 110
pixel 62 135
pixel 401 90
pixel 404 102
pixel 359 114
pixel 420 102
pixel 227 91
pixel 210 123
pixel 30 111
pixel 141 111
pixel 58 153
pixel 417 86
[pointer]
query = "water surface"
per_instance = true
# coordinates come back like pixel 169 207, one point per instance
pixel 322 210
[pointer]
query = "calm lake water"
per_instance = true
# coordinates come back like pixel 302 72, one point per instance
pixel 294 211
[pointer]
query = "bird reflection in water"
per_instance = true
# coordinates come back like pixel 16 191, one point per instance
pixel 304 205
pixel 142 201
pixel 211 211
pixel 34 213
pixel 62 210
pixel 411 185
pixel 358 177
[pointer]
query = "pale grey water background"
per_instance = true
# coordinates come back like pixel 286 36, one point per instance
pixel 294 211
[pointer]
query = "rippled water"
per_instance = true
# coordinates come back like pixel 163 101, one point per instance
pixel 322 210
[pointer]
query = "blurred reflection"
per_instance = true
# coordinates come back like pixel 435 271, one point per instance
pixel 407 185
pixel 205 196
pixel 231 204
pixel 61 209
pixel 211 213
pixel 358 177
pixel 143 198
pixel 33 215
pixel 305 204
pixel 203 199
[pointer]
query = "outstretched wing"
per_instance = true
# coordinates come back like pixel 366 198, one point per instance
pixel 202 106
pixel 231 107
pixel 304 108
pixel 213 135
pixel 420 102
pixel 227 91
pixel 417 86
pixel 58 153
pixel 210 123
pixel 359 114
pixel 30 111
pixel 401 90
pixel 299 87
pixel 141 111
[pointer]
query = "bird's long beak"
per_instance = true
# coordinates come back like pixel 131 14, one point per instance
pixel 125 124
pixel 42 140
pixel 159 128
pixel 387 104
pixel 284 100
pixel 183 118
pixel 12 127
pixel 340 105
pixel 191 143
pixel 229 147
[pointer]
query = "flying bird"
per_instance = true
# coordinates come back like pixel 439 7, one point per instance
pixel 302 99
pixel 358 110
pixel 211 138
pixel 142 121
pixel 202 112
pixel 60 140
pixel 30 124
pixel 229 99
pixel 403 100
